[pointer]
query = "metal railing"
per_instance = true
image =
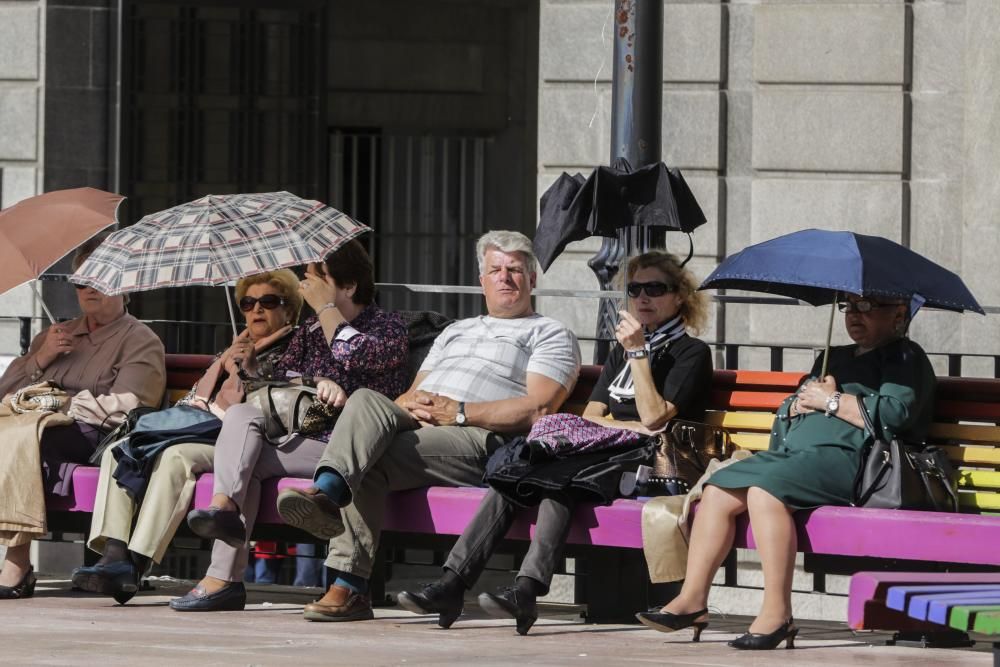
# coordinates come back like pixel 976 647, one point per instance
pixel 728 357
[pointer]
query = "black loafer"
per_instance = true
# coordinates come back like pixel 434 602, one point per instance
pixel 119 579
pixel 511 603
pixel 216 524
pixel 24 588
pixel 433 599
pixel 231 597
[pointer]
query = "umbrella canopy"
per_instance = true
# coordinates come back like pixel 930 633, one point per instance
pixel 613 198
pixel 37 232
pixel 815 265
pixel 215 240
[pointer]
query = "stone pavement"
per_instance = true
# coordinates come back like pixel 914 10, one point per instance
pixel 59 627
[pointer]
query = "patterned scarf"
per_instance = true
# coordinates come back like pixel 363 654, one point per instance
pixel 622 389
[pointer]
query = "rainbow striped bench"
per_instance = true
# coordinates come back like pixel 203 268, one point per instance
pixel 967 413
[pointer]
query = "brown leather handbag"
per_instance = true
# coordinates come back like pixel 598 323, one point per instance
pixel 682 456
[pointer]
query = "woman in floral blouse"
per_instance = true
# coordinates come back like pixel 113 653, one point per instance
pixel 350 343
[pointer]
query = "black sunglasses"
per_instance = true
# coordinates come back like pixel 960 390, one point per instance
pixel 652 289
pixel 861 306
pixel 267 302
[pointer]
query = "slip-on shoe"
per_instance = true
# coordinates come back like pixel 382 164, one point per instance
pixel 312 511
pixel 340 604
pixel 216 524
pixel 231 597
pixel 120 579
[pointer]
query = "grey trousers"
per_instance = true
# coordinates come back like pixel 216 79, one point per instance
pixel 493 519
pixel 378 447
pixel 243 458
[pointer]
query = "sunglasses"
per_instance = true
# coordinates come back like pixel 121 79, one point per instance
pixel 652 289
pixel 862 306
pixel 267 302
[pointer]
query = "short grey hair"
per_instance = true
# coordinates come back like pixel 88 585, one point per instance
pixel 508 242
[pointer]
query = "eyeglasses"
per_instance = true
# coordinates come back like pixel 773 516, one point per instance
pixel 652 289
pixel 862 306
pixel 267 302
pixel 80 287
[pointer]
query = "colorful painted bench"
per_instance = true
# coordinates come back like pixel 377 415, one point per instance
pixel 967 413
pixel 928 602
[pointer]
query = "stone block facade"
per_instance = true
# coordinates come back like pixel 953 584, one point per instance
pixel 876 116
pixel 21 25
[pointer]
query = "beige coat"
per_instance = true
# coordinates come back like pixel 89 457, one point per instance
pixel 118 367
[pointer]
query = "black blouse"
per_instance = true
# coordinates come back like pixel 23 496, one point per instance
pixel 682 371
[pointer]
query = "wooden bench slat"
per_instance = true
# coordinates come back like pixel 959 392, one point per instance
pixel 970 410
pixel 971 455
pixel 868 606
pixel 979 479
pixel 756 442
pixel 971 433
pixel 980 501
pixel 741 421
pixel 746 400
pixel 963 616
pixel 987 622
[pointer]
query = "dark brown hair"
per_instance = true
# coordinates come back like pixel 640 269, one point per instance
pixel 351 265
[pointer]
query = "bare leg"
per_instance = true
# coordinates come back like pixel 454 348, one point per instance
pixel 774 532
pixel 711 539
pixel 16 565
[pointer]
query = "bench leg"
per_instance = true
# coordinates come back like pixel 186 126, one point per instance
pixel 996 654
pixel 931 639
pixel 615 585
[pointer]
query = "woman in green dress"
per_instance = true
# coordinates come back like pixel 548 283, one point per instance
pixel 814 455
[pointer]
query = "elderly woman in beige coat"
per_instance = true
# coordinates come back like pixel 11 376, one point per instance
pixel 108 363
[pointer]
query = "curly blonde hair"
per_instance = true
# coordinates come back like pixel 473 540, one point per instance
pixel 283 280
pixel 694 304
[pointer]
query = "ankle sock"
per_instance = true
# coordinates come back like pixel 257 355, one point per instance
pixel 114 551
pixel 530 587
pixel 352 581
pixel 333 485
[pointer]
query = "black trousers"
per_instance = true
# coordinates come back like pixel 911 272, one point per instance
pixel 493 519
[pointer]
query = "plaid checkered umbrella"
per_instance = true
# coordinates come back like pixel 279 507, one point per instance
pixel 216 239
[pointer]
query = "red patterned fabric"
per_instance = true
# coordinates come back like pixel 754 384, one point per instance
pixel 564 434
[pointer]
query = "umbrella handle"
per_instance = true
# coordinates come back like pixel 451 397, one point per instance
pixel 232 314
pixel 829 335
pixel 41 302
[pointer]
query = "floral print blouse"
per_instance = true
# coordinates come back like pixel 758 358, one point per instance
pixel 368 352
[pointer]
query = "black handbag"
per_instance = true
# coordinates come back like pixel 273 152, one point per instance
pixel 899 475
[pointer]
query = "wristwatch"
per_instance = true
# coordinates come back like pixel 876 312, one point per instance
pixel 833 404
pixel 460 415
pixel 641 353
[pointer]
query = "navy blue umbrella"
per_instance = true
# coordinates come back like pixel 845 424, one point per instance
pixel 819 267
pixel 814 265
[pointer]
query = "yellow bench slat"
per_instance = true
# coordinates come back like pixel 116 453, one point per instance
pixel 980 479
pixel 973 455
pixel 741 421
pixel 980 501
pixel 753 441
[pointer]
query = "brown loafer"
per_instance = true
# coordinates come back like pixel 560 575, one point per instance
pixel 312 511
pixel 340 604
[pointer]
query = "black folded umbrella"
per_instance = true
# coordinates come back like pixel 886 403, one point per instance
pixel 613 198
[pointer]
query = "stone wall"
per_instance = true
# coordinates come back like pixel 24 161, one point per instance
pixel 21 145
pixel 875 115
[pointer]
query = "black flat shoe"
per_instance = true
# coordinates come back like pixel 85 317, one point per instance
pixel 433 598
pixel 753 641
pixel 664 621
pixel 216 524
pixel 24 588
pixel 119 579
pixel 231 597
pixel 511 603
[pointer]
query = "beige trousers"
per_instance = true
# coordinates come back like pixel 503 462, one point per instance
pixel 167 499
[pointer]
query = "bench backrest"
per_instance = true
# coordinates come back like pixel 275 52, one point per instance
pixel 966 416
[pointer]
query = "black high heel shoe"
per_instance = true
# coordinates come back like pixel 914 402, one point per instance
pixel 24 588
pixel 664 621
pixel 753 641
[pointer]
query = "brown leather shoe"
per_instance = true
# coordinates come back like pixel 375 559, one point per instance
pixel 312 511
pixel 340 604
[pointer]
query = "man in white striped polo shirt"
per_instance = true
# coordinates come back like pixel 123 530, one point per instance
pixel 496 373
